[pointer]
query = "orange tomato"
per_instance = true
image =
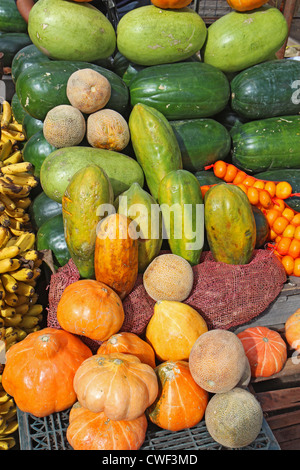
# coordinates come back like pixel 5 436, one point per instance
pixel 280 224
pixel 288 213
pixel 283 190
pixel 204 189
pixel 249 181
pixel 243 187
pixel 272 215
pixel 294 248
pixel 265 199
pixel 296 219
pixel 220 168
pixel 297 233
pixel 289 231
pixel 270 186
pixel 240 176
pixel 296 270
pixel 230 174
pixel 283 245
pixel 253 195
pixel 259 184
pixel 279 204
pixel 288 264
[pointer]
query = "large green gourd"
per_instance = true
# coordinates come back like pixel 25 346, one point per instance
pixel 59 167
pixel 65 30
pixel 149 35
pixel 140 206
pixel 88 189
pixel 155 145
pixel 181 203
pixel 239 40
pixel 230 224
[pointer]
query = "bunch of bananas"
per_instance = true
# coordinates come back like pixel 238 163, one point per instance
pixel 8 418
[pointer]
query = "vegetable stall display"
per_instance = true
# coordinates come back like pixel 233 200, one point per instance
pixel 152 115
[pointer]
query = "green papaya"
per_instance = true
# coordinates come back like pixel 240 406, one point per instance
pixel 181 203
pixel 88 190
pixel 230 224
pixel 140 206
pixel 154 144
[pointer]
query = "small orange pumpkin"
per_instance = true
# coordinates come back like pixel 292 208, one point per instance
pixel 181 403
pixel 246 5
pixel 174 4
pixel 129 343
pixel 94 431
pixel 40 369
pixel 117 384
pixel 292 330
pixel 265 349
pixel 116 254
pixel 90 308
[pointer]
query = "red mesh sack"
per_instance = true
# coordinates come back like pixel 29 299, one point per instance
pixel 225 295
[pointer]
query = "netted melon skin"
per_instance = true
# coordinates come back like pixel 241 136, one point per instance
pixel 64 126
pixel 217 361
pixel 234 419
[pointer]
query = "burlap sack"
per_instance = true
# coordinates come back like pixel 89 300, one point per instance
pixel 225 295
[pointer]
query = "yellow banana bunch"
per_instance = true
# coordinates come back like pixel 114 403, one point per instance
pixel 11 130
pixel 8 418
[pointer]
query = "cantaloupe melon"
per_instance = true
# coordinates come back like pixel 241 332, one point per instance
pixel 107 129
pixel 64 126
pixel 217 361
pixel 173 329
pixel 234 418
pixel 88 90
pixel 168 277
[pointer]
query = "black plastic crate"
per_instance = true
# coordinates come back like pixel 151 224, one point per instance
pixel 49 433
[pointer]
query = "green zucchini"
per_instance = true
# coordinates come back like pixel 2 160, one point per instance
pixel 42 208
pixel 267 90
pixel 10 44
pixel 185 90
pixel 266 144
pixel 201 141
pixel 35 151
pixel 50 236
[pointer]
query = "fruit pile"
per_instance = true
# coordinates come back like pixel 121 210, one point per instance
pixel 111 144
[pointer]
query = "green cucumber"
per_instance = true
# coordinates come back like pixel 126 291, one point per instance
pixel 201 141
pixel 185 90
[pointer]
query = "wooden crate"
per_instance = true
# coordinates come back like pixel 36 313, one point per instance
pixel 279 397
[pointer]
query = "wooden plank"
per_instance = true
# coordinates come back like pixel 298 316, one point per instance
pixel 290 445
pixel 279 399
pixel 287 434
pixel 283 420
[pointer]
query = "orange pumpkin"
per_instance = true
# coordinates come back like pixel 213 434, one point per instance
pixel 129 343
pixel 94 431
pixel 40 369
pixel 246 5
pixel 116 254
pixel 181 403
pixel 90 308
pixel 118 384
pixel 265 349
pixel 176 4
pixel 292 330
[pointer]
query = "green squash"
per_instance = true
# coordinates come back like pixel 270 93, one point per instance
pixel 181 203
pixel 155 145
pixel 141 207
pixel 88 190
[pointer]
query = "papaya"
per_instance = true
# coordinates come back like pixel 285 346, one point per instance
pixel 140 206
pixel 230 224
pixel 154 144
pixel 181 203
pixel 59 167
pixel 88 189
